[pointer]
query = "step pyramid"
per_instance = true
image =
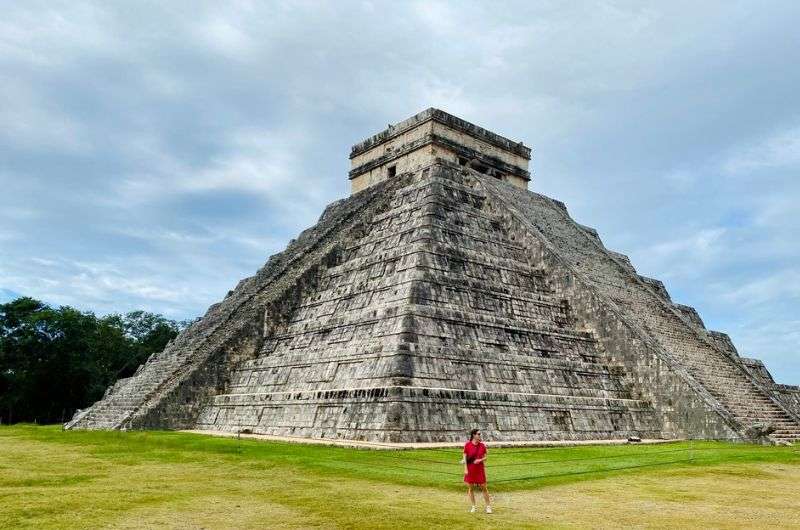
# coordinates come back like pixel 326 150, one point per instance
pixel 442 295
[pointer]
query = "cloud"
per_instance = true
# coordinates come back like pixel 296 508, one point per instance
pixel 778 150
pixel 687 256
pixel 154 155
pixel 252 161
pixel 7 295
pixel 225 37
pixel 782 285
pixel 109 286
pixel 773 340
pixel 34 122
pixel 681 180
pixel 702 245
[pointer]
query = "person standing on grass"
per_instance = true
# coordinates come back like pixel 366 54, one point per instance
pixel 474 472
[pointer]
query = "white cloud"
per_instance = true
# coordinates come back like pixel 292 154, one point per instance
pixel 257 161
pixel 776 151
pixel 681 180
pixel 105 286
pixel 225 35
pixel 176 146
pixel 701 244
pixel 9 235
pixel 53 34
pixel 774 341
pixel 44 262
pixel 36 122
pixel 778 286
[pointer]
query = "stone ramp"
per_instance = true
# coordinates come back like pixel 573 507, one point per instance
pixel 788 395
pixel 679 335
pixel 127 395
pixel 170 388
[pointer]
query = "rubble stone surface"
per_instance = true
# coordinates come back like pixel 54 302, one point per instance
pixel 446 298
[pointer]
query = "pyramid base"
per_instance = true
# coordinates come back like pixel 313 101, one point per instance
pixel 391 446
pixel 400 414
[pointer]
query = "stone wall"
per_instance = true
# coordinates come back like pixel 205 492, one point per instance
pixel 432 321
pixel 421 139
pixel 438 301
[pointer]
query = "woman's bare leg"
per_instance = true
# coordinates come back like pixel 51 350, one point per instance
pixel 485 491
pixel 471 494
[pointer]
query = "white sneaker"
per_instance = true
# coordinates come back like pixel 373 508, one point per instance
pixel 473 509
pixel 488 509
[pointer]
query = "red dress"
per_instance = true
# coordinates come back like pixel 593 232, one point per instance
pixel 476 474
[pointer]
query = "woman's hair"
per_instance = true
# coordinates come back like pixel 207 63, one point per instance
pixel 473 432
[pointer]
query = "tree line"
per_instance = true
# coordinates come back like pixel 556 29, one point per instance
pixel 54 361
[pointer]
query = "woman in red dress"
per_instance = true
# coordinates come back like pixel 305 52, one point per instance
pixel 474 472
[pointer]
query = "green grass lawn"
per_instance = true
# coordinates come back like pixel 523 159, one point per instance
pixel 79 479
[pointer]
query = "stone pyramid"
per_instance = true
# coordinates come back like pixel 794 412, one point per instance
pixel 443 295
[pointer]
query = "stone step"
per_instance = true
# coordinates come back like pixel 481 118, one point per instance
pixel 710 367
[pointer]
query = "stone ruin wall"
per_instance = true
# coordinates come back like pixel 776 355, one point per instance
pixel 409 384
pixel 404 389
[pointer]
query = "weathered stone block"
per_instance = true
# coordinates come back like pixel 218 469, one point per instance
pixel 441 299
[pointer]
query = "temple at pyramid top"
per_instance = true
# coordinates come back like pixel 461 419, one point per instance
pixel 432 134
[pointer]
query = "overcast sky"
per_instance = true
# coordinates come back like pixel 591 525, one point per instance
pixel 152 156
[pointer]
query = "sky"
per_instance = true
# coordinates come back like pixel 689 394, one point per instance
pixel 152 154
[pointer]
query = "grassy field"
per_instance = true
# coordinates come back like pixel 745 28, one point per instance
pixel 55 479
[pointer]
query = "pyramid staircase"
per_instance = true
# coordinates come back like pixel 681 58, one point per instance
pixel 193 366
pixel 747 402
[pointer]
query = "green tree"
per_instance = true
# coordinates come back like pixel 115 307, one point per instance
pixel 54 361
